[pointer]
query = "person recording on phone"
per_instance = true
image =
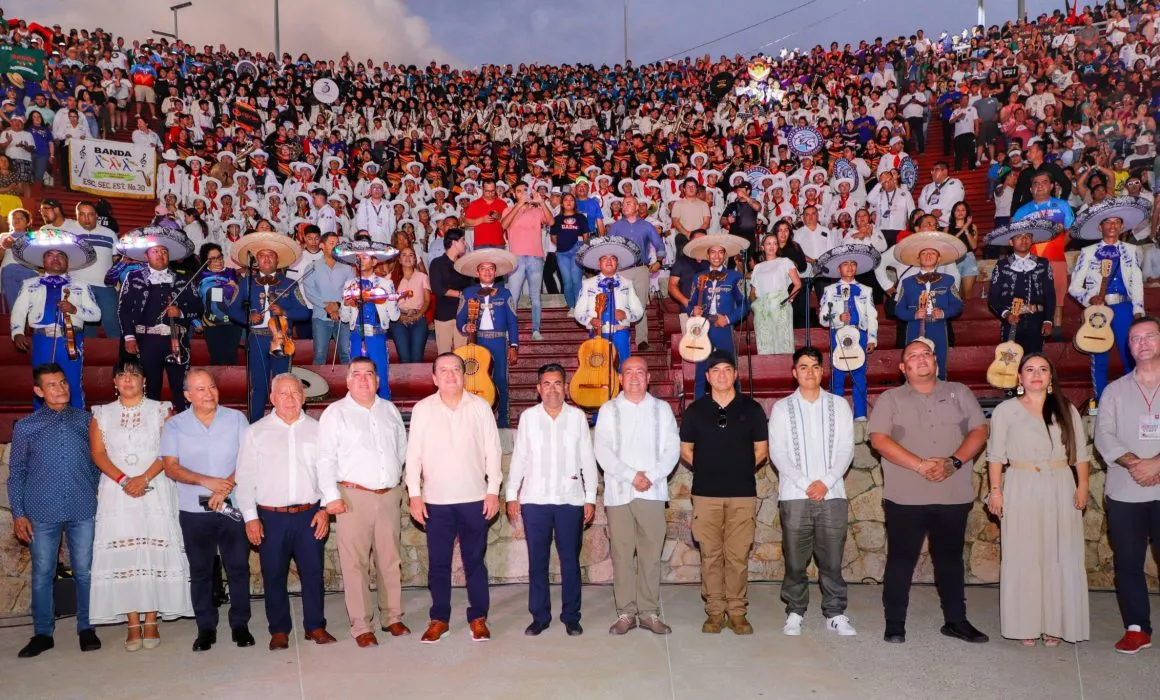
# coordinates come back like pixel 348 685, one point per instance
pixel 484 215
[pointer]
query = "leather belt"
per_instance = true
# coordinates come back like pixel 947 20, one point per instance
pixel 1115 298
pixel 1057 464
pixel 491 335
pixel 50 331
pixel 357 487
pixel 289 509
pixel 159 329
pixel 1031 309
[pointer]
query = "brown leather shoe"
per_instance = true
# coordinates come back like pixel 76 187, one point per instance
pixel 654 624
pixel 623 624
pixel 713 624
pixel 479 630
pixel 279 641
pixel 397 629
pixel 740 625
pixel 436 630
pixel 366 639
pixel 320 636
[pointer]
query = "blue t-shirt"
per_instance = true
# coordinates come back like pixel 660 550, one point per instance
pixel 1054 210
pixel 590 208
pixel 567 229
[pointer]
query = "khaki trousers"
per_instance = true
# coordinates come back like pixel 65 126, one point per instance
pixel 636 533
pixel 448 337
pixel 724 529
pixel 639 277
pixel 371 522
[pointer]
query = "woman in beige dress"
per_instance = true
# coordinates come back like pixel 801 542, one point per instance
pixel 1043 581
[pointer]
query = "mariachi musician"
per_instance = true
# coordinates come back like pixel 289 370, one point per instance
pixel 156 305
pixel 927 300
pixel 273 302
pixel 369 305
pixel 607 254
pixel 848 302
pixel 51 303
pixel 497 329
pixel 1025 277
pixel 717 294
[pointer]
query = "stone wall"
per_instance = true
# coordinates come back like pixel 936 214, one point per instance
pixel 864 561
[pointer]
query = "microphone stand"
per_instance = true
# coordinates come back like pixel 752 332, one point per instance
pixel 749 326
pixel 251 271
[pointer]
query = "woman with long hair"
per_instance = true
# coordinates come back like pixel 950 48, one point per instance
pixel 775 281
pixel 1035 437
pixel 410 331
pixel 962 226
pixel 787 247
pixel 13 273
pixel 217 285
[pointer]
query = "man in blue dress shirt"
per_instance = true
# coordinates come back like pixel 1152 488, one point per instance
pixel 52 489
pixel 642 233
pixel 497 328
pixel 717 294
pixel 200 449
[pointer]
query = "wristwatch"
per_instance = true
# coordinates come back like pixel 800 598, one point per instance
pixel 958 463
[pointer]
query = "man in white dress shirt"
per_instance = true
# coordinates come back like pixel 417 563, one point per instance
pixel 278 493
pixel 812 448
pixel 891 205
pixel 375 214
pixel 324 216
pixel 637 445
pixel 941 195
pixel 362 443
pixel 552 487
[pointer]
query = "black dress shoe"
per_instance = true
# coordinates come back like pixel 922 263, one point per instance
pixel 964 631
pixel 205 640
pixel 36 646
pixel 574 629
pixel 534 629
pixel 242 636
pixel 88 640
pixel 895 632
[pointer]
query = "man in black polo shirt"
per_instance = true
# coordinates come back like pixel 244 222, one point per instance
pixel 724 440
pixel 741 214
pixel 682 274
pixel 447 285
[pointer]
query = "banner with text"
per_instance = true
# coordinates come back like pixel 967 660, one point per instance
pixel 112 168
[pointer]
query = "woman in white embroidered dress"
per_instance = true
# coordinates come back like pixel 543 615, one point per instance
pixel 139 565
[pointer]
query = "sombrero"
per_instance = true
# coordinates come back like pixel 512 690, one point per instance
pixel 1040 230
pixel 949 248
pixel 1128 209
pixel 866 256
pixel 626 252
pixel 349 252
pixel 30 248
pixel 137 242
pixel 699 249
pixel 284 246
pixel 505 262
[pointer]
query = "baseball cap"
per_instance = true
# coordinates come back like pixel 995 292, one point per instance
pixel 721 356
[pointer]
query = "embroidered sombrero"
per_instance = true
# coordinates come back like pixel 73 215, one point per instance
pixel 627 253
pixel 285 247
pixel 1131 210
pixel 31 247
pixel 866 256
pixel 1040 230
pixel 137 242
pixel 949 247
pixel 699 249
pixel 349 252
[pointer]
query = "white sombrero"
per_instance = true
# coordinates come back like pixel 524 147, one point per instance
pixel 699 249
pixel 1040 230
pixel 31 247
pixel 627 253
pixel 285 247
pixel 505 262
pixel 1127 209
pixel 137 242
pixel 949 248
pixel 701 155
pixel 349 252
pixel 866 256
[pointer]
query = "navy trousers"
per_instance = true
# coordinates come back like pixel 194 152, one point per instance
pixel 153 350
pixel 263 367
pixel 206 535
pixel 541 522
pixel 445 523
pixel 498 347
pixel 1130 526
pixel 286 536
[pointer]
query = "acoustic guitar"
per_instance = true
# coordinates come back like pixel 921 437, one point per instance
pixel 848 353
pixel 1095 335
pixel 595 380
pixel 477 374
pixel 695 345
pixel 1004 370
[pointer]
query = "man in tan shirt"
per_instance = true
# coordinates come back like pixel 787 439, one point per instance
pixel 690 212
pixel 453 476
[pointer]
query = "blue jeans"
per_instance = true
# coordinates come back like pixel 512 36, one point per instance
pixel 45 548
pixel 107 302
pixel 410 341
pixel 39 168
pixel 570 273
pixel 529 269
pixel 324 330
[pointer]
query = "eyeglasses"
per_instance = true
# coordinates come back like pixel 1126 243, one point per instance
pixel 722 418
pixel 1143 338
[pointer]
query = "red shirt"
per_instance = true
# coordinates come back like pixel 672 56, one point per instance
pixel 489 232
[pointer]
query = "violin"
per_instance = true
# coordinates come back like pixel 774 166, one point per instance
pixel 281 344
pixel 178 354
pixel 70 333
pixel 373 295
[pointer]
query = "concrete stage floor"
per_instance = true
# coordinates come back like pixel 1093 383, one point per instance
pixel 638 666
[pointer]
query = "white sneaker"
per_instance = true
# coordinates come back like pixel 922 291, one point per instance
pixel 793 625
pixel 536 336
pixel 841 625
